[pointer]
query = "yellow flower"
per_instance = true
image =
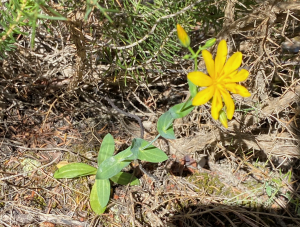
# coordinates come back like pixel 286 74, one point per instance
pixel 223 77
pixel 183 36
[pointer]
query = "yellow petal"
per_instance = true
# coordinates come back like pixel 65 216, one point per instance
pixel 237 89
pixel 240 76
pixel 237 76
pixel 183 36
pixel 230 107
pixel 200 79
pixel 209 63
pixel 204 96
pixel 233 63
pixel 228 78
pixel 220 58
pixel 216 105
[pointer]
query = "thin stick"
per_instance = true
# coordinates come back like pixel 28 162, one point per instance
pixel 127 114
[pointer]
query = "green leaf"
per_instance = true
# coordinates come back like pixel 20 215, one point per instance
pixel 192 88
pixel 136 144
pixel 103 191
pixel 165 126
pixel 182 109
pixel 42 16
pixel 277 181
pixel 125 178
pixel 73 170
pixel 148 152
pixel 130 157
pixel 114 164
pixel 88 10
pixel 107 148
pixel 94 201
pixel 186 57
pixel 269 190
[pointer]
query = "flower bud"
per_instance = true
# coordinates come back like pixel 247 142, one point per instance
pixel 183 36
pixel 209 43
pixel 223 118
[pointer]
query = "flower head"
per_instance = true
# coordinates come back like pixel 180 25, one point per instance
pixel 223 77
pixel 183 36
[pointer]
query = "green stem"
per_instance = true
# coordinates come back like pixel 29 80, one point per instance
pixel 155 139
pixel 195 58
pixel 192 51
pixel 195 64
pixel 198 52
pixel 143 148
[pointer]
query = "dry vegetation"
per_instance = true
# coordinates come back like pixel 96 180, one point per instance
pixel 52 109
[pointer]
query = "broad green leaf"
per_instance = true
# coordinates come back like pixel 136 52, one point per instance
pixel 269 190
pixel 125 178
pixel 148 152
pixel 73 170
pixel 103 191
pixel 131 156
pixel 94 201
pixel 192 88
pixel 182 109
pixel 165 126
pixel 113 165
pixel 136 144
pixel 107 148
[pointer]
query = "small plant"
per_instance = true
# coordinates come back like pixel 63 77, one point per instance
pixel 274 187
pixel 110 165
pixel 109 169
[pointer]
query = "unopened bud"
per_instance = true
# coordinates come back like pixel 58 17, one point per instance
pixel 209 43
pixel 223 119
pixel 183 36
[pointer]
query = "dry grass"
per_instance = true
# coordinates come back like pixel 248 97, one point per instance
pixel 246 175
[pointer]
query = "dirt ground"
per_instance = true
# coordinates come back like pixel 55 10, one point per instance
pixel 53 109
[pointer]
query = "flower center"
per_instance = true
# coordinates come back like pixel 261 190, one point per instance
pixel 220 77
